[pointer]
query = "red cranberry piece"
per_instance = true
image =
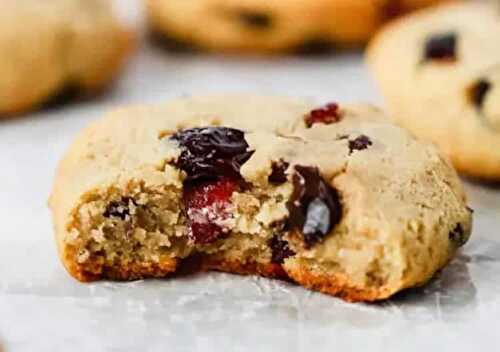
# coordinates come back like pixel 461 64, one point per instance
pixel 360 143
pixel 280 250
pixel 478 93
pixel 209 152
pixel 206 205
pixel 441 47
pixel 327 114
pixel 278 173
pixel 314 207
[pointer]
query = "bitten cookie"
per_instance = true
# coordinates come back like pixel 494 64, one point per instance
pixel 334 198
pixel 50 47
pixel 439 71
pixel 273 25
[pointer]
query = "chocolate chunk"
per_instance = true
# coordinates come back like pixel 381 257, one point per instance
pixel 314 207
pixel 209 152
pixel 278 174
pixel 457 235
pixel 478 93
pixel 441 47
pixel 280 250
pixel 360 143
pixel 256 20
pixel 119 209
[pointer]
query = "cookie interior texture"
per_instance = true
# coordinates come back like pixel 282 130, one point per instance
pixel 439 71
pixel 270 26
pixel 48 46
pixel 124 203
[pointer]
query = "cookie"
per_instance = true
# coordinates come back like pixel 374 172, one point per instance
pixel 273 25
pixel 52 47
pixel 333 198
pixel 439 71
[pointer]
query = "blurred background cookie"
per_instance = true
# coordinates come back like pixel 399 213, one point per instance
pixel 439 71
pixel 273 25
pixel 52 48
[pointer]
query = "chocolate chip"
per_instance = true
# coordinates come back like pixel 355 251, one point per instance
pixel 457 235
pixel 315 46
pixel 256 20
pixel 360 143
pixel 278 173
pixel 280 249
pixel 171 43
pixel 314 207
pixel 119 209
pixel 66 94
pixel 441 47
pixel 478 92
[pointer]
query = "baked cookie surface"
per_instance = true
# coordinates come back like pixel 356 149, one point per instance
pixel 47 47
pixel 335 199
pixel 439 71
pixel 274 25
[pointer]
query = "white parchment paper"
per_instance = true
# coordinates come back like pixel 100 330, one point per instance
pixel 43 309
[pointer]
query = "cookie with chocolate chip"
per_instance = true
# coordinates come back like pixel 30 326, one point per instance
pixel 305 26
pixel 344 203
pixel 439 71
pixel 52 50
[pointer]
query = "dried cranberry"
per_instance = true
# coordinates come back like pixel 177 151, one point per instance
pixel 278 173
pixel 458 236
pixel 327 114
pixel 206 205
pixel 314 207
pixel 360 143
pixel 119 209
pixel 280 250
pixel 441 47
pixel 478 93
pixel 209 152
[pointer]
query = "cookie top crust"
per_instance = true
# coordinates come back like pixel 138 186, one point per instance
pixel 439 71
pixel 383 173
pixel 46 46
